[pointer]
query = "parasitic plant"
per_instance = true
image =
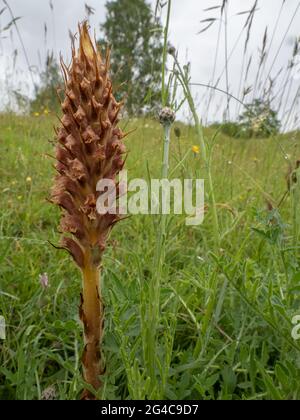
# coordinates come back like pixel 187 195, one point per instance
pixel 89 148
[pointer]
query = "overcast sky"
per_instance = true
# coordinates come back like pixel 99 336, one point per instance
pixel 185 25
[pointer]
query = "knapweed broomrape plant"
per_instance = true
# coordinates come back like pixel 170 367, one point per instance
pixel 89 148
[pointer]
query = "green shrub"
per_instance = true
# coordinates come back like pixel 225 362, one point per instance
pixel 259 120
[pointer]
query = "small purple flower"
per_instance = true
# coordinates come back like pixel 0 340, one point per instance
pixel 44 280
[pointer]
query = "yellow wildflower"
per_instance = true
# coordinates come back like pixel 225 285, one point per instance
pixel 196 149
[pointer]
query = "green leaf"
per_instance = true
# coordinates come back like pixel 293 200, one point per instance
pixel 270 386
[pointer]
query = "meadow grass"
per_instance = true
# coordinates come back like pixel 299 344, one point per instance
pixel 225 317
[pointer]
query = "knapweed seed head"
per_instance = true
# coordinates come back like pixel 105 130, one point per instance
pixel 167 116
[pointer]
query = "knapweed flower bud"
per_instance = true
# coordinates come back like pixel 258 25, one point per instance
pixel 171 50
pixel 167 116
pixel 177 132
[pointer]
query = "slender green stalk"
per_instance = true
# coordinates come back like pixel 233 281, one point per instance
pixel 204 150
pixel 151 317
pixel 14 21
pixel 164 95
pixel 295 210
pixel 226 62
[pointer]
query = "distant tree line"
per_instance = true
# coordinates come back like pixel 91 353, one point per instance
pixel 258 120
pixel 134 36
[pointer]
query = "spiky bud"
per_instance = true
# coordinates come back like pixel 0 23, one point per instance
pixel 171 50
pixel 89 148
pixel 177 132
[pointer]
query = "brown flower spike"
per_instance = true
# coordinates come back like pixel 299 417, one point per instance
pixel 89 148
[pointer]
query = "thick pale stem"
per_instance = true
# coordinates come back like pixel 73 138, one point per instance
pixel 92 316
